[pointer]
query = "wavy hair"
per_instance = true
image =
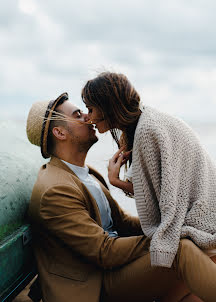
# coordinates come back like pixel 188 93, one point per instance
pixel 117 99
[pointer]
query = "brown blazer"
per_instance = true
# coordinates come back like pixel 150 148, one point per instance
pixel 71 247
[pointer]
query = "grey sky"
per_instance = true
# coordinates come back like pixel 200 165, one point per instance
pixel 166 48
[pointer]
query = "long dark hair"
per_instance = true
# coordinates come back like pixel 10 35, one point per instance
pixel 113 94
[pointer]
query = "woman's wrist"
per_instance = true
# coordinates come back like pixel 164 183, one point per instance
pixel 124 185
pixel 115 181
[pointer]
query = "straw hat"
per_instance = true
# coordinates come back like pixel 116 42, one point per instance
pixel 39 120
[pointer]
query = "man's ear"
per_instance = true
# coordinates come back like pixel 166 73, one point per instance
pixel 59 133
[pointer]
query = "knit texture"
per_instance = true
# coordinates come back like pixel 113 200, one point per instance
pixel 174 182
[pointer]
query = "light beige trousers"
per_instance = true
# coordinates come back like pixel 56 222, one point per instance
pixel 139 282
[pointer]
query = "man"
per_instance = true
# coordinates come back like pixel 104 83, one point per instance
pixel 86 247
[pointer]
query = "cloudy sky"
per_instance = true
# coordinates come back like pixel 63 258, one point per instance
pixel 166 48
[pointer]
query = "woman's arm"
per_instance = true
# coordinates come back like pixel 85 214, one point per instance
pixel 115 164
pixel 126 186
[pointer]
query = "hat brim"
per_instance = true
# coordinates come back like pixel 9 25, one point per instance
pixel 46 122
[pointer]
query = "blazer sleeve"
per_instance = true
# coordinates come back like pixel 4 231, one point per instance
pixel 65 214
pixel 124 223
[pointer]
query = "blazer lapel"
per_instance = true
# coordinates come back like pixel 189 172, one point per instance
pixel 91 201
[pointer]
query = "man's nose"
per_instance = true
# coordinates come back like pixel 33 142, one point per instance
pixel 86 117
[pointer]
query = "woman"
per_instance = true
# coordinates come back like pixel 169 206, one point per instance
pixel 173 177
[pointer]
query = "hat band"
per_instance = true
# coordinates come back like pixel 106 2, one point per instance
pixel 45 126
pixel 44 123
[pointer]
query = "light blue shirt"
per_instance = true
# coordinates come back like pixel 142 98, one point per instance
pixel 96 191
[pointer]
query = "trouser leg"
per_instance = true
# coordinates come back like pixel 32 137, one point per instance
pixel 138 281
pixel 197 270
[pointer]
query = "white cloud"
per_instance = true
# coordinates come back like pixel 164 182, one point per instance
pixel 167 49
pixel 27 6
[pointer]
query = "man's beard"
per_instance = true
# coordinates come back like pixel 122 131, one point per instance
pixel 85 146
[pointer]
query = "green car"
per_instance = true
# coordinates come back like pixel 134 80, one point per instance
pixel 19 162
pixel 17 264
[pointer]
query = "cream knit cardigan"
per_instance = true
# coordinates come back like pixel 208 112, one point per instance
pixel 174 182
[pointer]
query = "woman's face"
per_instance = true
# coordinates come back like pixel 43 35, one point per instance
pixel 96 117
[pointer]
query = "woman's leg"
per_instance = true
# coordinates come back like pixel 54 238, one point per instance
pixel 140 282
pixel 198 271
pixel 176 293
pixel 181 293
pixel 191 298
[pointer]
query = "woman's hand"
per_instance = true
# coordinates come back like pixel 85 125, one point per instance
pixel 115 164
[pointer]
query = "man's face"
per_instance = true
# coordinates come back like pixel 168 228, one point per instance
pixel 78 131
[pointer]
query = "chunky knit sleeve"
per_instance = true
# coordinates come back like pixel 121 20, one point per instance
pixel 161 190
